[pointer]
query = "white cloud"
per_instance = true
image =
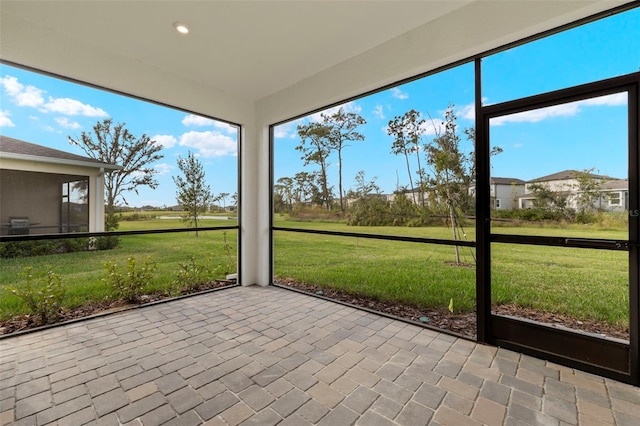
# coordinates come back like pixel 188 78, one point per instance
pixel 5 121
pixel 537 115
pixel 228 128
pixel 64 122
pixel 163 168
pixel 399 94
pixel 167 141
pixel 378 111
pixel 68 106
pixel 31 96
pixel 196 120
pixel 286 130
pixel 209 144
pixel 616 99
pixel 433 127
pixel 563 110
pixel 199 121
pixel 468 112
pixel 23 96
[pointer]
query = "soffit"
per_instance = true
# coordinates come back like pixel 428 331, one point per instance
pixel 248 49
pixel 241 52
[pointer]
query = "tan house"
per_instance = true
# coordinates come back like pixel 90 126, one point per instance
pixel 44 191
pixel 615 195
pixel 613 191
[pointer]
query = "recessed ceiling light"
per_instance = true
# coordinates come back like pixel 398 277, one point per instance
pixel 181 28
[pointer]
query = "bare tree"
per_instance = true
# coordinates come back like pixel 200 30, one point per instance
pixel 114 144
pixel 342 126
pixel 315 148
pixel 407 131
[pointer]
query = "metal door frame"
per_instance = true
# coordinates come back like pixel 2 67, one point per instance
pixel 606 357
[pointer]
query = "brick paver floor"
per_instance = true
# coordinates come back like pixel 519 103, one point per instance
pixel 266 356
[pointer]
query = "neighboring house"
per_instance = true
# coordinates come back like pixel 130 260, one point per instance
pixel 505 192
pixel 615 195
pixel 416 196
pixel 566 182
pixel 43 190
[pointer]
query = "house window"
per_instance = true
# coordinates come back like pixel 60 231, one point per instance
pixel 615 199
pixel 497 203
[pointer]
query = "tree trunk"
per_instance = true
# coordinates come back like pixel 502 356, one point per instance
pixel 413 193
pixel 421 183
pixel 340 179
pixel 452 217
pixel 325 190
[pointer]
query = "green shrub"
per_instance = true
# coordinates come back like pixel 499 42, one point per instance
pixel 130 286
pixel 43 294
pixel 71 245
pixel 107 243
pixel 11 249
pixel 136 217
pixel 191 274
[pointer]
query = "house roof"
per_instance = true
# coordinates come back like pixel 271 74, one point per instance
pixel 238 53
pixel 616 184
pixel 565 175
pixel 21 150
pixel 506 181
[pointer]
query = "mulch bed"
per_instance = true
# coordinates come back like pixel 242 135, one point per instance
pixel 460 323
pixel 26 322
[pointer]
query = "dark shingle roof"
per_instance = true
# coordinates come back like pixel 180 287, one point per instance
pixel 567 174
pixel 616 184
pixel 506 181
pixel 15 146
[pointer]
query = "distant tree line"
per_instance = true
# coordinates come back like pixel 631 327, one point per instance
pixel 440 172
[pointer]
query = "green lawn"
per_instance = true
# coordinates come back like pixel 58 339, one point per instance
pixel 82 273
pixel 583 283
pixel 586 284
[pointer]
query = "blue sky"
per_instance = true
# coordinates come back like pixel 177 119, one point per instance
pixel 582 135
pixel 43 110
pixel 46 111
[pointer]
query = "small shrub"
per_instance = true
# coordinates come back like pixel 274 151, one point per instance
pixel 71 245
pixel 130 286
pixel 43 294
pixel 190 275
pixel 112 221
pixel 107 243
pixel 230 255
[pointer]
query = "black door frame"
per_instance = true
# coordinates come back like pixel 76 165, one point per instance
pixel 604 357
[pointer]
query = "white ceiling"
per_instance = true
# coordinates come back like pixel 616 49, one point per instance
pixel 242 52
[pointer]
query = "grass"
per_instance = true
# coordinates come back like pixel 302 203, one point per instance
pixel 82 272
pixel 582 283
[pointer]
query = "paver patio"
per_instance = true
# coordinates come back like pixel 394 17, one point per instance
pixel 266 356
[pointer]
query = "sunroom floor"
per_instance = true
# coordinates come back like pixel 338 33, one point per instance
pixel 266 356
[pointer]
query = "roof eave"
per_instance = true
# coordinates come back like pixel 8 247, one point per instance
pixel 67 162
